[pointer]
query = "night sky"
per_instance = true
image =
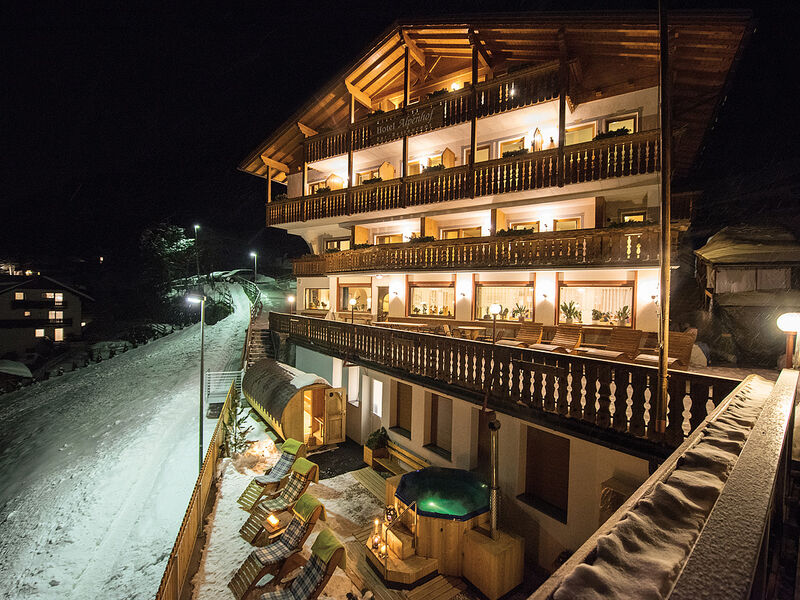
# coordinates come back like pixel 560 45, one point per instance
pixel 117 118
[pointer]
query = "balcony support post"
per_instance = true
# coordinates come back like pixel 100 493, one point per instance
pixel 665 246
pixel 563 89
pixel 406 94
pixel 473 120
pixel 269 187
pixel 304 170
pixel 350 145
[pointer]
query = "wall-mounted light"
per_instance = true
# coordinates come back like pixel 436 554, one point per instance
pixel 454 86
pixel 789 323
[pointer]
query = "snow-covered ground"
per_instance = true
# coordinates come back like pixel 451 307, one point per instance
pixel 97 467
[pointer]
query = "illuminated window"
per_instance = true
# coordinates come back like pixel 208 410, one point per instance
pixel 628 122
pixel 481 154
pixel 464 232
pixel 395 238
pixel 365 175
pixel 38 333
pixel 27 313
pixel 49 295
pixel 353 381
pixel 55 315
pixel 515 301
pixel 59 298
pixel 58 335
pixel 580 134
pixel 596 304
pixel 362 295
pixel 512 145
pixel 377 398
pixel 634 217
pixel 19 295
pixel 314 187
pixel 338 244
pixel 317 298
pixel 527 225
pixel 414 168
pixel 566 224
pixel 434 161
pixel 432 301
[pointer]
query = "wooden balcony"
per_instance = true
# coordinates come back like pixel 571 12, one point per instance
pixel 587 397
pixel 516 90
pixel 634 154
pixel 631 247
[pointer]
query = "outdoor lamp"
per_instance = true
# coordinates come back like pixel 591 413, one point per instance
pixel 255 266
pixel 383 553
pixel 494 310
pixel 789 323
pixel 390 514
pixel 352 304
pixel 273 520
pixel 290 300
pixel 376 541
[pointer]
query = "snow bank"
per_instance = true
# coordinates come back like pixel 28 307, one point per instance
pixel 645 551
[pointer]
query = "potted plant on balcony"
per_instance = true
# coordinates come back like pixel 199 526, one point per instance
pixel 623 315
pixel 376 445
pixel 597 316
pixel 520 311
pixel 571 311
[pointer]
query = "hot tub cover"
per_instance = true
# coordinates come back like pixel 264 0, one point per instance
pixel 272 384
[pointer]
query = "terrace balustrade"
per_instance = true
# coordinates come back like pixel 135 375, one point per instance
pixel 538 386
pixel 622 156
pixel 631 246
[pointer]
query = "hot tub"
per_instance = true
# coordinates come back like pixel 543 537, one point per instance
pixel 440 493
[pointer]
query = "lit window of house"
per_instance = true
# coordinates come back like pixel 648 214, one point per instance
pixel 38 333
pixel 58 335
pixel 337 244
pixel 49 295
pixel 481 154
pixel 515 301
pixel 394 238
pixel 317 299
pixel 367 175
pixel 59 298
pixel 634 217
pixel 361 293
pixel 547 473
pixel 377 398
pixel 19 295
pixel 463 232
pixel 414 168
pixel 593 303
pixel 534 225
pixel 628 122
pixel 580 134
pixel 27 313
pixel 313 188
pixel 566 224
pixel 512 145
pixel 55 315
pixel 432 300
pixel 440 435
pixel 353 385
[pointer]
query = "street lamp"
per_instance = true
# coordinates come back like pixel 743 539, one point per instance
pixel 352 304
pixel 201 300
pixel 789 323
pixel 197 252
pixel 255 267
pixel 494 310
pixel 290 299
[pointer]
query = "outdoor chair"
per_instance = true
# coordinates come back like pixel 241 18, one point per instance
pixel 679 351
pixel 327 553
pixel 622 345
pixel 282 549
pixel 275 478
pixel 528 333
pixel 566 339
pixel 303 472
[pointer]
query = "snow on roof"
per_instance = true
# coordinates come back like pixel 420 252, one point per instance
pixel 18 282
pixel 273 384
pixel 750 245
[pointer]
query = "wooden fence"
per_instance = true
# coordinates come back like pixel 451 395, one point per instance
pixel 175 579
pixel 530 384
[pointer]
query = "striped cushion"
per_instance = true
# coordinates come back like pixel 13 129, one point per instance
pixel 289 494
pixel 274 553
pixel 301 588
pixel 278 471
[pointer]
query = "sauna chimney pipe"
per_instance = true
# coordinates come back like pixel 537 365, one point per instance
pixel 494 492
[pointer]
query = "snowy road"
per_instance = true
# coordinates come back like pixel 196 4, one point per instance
pixel 97 467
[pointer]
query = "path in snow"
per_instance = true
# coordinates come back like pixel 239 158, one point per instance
pixel 97 468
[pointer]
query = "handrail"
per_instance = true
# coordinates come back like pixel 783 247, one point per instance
pixel 392 524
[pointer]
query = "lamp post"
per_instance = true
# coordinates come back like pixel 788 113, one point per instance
pixel 494 310
pixel 201 300
pixel 197 252
pixel 789 323
pixel 255 267
pixel 290 299
pixel 352 304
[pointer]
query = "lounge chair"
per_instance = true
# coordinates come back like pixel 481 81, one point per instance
pixel 622 345
pixel 302 473
pixel 327 553
pixel 529 333
pixel 679 351
pixel 566 339
pixel 275 478
pixel 283 548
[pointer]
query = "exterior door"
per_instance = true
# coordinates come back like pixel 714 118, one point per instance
pixel 335 413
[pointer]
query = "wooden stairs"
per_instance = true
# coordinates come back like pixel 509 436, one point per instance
pixel 259 345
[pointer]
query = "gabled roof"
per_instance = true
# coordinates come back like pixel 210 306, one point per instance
pixel 609 53
pixel 35 282
pixel 751 245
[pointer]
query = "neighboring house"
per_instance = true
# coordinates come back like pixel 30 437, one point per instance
pixel 36 309
pixel 463 163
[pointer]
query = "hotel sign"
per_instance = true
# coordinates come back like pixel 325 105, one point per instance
pixel 412 121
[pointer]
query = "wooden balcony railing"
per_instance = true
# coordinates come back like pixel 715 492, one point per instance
pixel 516 90
pixel 534 385
pixel 633 154
pixel 631 246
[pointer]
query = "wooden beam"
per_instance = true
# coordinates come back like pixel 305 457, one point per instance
pixel 491 62
pixel 359 95
pixel 307 131
pixel 274 164
pixel 417 54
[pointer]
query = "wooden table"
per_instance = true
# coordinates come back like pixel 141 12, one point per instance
pixel 416 326
pixel 472 331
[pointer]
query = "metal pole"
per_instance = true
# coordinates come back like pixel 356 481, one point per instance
pixel 197 253
pixel 790 338
pixel 494 492
pixel 665 254
pixel 494 329
pixel 202 344
pixel 255 269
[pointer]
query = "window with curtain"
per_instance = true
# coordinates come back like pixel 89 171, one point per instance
pixel 580 134
pixel 432 301
pixel 628 122
pixel 362 295
pixel 463 232
pixel 597 304
pixel 526 225
pixel 338 244
pixel 567 224
pixel 317 299
pixel 515 301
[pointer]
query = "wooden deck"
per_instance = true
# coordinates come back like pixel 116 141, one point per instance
pixel 370 479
